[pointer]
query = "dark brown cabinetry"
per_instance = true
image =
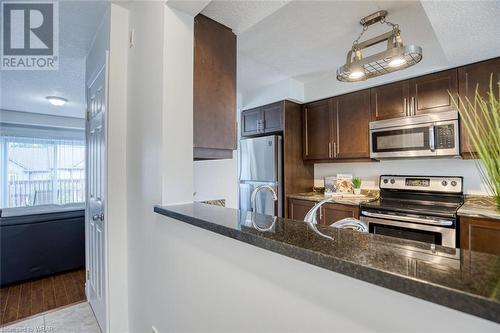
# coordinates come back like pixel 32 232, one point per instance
pixel 214 90
pixel 335 212
pixel 470 78
pixel 424 94
pixel 433 93
pixel 351 119
pixel 317 130
pixel 482 235
pixel 266 119
pixel 297 209
pixel 337 128
pixel 390 100
pixel 328 214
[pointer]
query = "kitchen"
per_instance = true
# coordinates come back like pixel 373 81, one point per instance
pixel 279 166
pixel 388 157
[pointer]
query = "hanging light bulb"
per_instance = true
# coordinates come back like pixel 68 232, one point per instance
pixel 357 71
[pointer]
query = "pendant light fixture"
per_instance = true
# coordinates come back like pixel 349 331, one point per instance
pixel 397 56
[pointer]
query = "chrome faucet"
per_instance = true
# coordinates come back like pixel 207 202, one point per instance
pixel 259 188
pixel 311 217
pixel 311 214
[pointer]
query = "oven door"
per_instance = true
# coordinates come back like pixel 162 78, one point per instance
pixel 432 234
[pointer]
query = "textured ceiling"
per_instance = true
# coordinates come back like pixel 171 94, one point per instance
pixel 26 90
pixel 308 40
pixel 241 15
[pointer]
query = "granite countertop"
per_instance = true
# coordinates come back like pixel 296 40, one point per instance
pixel 369 195
pixel 460 279
pixel 479 206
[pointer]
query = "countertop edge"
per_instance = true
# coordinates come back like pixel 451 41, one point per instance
pixel 461 301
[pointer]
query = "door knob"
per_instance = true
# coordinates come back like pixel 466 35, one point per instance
pixel 99 216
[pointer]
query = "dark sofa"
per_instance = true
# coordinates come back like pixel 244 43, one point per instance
pixel 40 241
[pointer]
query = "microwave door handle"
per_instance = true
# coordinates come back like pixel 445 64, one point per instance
pixel 432 143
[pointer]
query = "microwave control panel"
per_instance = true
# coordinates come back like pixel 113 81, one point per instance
pixel 445 136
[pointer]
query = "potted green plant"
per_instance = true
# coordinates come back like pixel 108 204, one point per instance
pixel 356 184
pixel 481 118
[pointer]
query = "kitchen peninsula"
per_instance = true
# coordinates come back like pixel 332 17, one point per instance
pixel 458 279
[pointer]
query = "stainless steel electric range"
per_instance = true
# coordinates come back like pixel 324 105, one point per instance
pixel 421 208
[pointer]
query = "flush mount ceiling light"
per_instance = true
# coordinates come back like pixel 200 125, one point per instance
pixel 57 101
pixel 397 55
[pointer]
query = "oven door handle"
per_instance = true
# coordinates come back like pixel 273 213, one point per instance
pixel 444 223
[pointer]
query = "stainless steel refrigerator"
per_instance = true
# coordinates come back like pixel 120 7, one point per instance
pixel 261 163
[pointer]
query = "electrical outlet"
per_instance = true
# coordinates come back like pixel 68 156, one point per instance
pixel 154 329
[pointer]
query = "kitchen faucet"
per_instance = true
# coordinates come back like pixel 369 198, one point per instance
pixel 259 188
pixel 311 217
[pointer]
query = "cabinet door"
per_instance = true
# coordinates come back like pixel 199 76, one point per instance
pixel 481 235
pixel 336 212
pixel 431 93
pixel 317 133
pixel 214 86
pixel 272 117
pixel 390 100
pixel 297 209
pixel 250 122
pixel 469 78
pixel 352 117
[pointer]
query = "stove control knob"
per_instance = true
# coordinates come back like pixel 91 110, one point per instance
pixel 392 181
pixel 444 183
pixel 453 183
pixel 386 181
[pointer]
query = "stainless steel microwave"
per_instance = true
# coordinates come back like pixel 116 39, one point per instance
pixel 427 135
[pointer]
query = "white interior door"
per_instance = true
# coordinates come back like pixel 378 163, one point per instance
pixel 96 194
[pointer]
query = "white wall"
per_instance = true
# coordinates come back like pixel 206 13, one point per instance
pixel 286 89
pixel 369 172
pixel 217 180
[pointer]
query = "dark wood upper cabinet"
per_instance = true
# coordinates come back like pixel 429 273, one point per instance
pixel 481 235
pixel 272 117
pixel 318 130
pixel 250 122
pixel 431 93
pixel 390 100
pixel 351 121
pixel 214 90
pixel 470 78
pixel 265 119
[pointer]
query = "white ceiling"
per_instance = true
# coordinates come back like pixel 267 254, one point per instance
pixel 26 90
pixel 308 40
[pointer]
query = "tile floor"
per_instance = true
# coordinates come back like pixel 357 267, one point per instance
pixel 77 318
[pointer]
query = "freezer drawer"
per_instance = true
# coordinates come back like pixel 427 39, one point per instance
pixel 264 200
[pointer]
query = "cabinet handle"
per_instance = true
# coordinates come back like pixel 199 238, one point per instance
pixel 405 106
pixel 321 213
pixel 335 152
pixel 330 150
pixel 307 140
pixel 413 106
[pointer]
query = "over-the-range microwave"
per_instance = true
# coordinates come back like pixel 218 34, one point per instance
pixel 427 135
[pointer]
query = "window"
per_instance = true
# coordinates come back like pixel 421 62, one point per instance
pixel 38 171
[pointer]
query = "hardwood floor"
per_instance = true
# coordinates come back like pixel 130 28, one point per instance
pixel 30 298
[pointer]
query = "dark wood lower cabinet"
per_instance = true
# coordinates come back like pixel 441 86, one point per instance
pixel 327 215
pixel 336 212
pixel 297 209
pixel 481 235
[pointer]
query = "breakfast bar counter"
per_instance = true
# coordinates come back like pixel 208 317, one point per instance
pixel 462 280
